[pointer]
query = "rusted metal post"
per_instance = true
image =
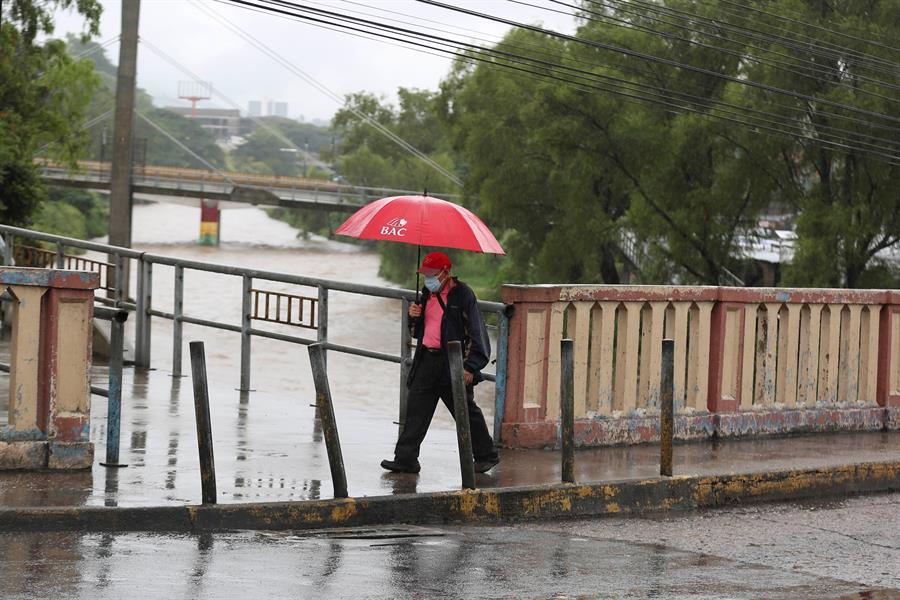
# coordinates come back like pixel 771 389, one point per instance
pixel 461 413
pixel 60 256
pixel 322 320
pixel 204 426
pixel 666 408
pixel 114 399
pixel 405 362
pixel 567 409
pixel 325 409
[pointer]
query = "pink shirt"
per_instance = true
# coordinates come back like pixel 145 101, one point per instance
pixel 433 315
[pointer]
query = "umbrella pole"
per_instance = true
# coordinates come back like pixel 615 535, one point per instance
pixel 418 262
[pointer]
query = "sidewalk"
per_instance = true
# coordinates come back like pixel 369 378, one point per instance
pixel 269 448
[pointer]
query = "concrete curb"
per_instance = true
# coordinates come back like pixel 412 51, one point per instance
pixel 488 505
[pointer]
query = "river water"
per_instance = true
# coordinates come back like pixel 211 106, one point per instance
pixel 250 238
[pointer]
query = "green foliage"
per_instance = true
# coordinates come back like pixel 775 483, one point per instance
pixel 60 218
pixel 44 95
pixel 368 158
pixel 848 208
pixel 161 150
pixel 283 147
pixel 93 206
pixel 571 174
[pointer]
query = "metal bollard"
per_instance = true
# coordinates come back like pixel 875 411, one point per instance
pixel 567 409
pixel 325 410
pixel 461 413
pixel 204 427
pixel 666 408
pixel 114 411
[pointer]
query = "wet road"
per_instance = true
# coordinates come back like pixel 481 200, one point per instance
pixel 847 549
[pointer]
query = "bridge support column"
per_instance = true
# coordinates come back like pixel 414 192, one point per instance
pixel 210 218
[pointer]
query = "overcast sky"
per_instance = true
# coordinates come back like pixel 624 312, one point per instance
pixel 340 62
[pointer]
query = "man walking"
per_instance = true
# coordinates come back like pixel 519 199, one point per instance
pixel 450 313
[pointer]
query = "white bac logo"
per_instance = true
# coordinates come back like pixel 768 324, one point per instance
pixel 395 227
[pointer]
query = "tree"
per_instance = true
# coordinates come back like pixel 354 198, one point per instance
pixel 44 94
pixel 845 197
pixel 573 170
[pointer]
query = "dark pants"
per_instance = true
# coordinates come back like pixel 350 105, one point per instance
pixel 429 384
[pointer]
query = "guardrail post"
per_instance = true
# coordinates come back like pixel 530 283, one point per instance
pixel 500 377
pixel 246 302
pixel 204 426
pixel 60 256
pixel 177 325
pixel 325 410
pixel 118 268
pixel 405 363
pixel 144 303
pixel 567 409
pixel 114 399
pixel 322 322
pixel 666 408
pixel 461 413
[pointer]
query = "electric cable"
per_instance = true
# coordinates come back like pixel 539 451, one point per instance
pixel 788 124
pixel 322 88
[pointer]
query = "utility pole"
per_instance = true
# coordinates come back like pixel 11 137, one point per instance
pixel 120 173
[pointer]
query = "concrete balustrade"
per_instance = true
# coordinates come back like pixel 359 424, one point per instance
pixel 748 361
pixel 50 359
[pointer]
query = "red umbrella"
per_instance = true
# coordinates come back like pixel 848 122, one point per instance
pixel 423 221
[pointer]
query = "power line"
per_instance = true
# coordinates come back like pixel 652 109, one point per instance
pixel 322 88
pixel 812 46
pixel 750 8
pixel 809 70
pixel 178 143
pixel 666 61
pixel 799 129
pixel 168 58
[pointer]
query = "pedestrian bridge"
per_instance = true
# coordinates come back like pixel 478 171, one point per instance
pixel 245 188
pixel 747 361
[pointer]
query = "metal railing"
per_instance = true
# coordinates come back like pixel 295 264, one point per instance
pixel 127 260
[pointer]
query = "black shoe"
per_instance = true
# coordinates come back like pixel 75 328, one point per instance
pixel 399 467
pixel 483 466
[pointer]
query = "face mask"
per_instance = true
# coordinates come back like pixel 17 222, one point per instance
pixel 433 283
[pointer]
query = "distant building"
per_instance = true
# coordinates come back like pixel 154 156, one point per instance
pixel 277 109
pixel 254 108
pixel 221 122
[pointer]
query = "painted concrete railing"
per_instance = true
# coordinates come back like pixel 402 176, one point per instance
pixel 50 359
pixel 747 360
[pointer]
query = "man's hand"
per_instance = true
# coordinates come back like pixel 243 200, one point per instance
pixel 415 311
pixel 468 377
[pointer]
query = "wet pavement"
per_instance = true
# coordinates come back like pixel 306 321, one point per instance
pixel 270 447
pixel 578 559
pixel 268 443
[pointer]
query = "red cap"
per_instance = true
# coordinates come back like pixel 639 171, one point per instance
pixel 434 263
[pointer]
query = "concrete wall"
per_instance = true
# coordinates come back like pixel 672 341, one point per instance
pixel 748 361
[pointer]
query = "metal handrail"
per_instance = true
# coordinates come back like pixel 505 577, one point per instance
pixel 194 265
pixel 143 306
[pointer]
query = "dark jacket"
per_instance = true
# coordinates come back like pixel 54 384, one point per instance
pixel 462 321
